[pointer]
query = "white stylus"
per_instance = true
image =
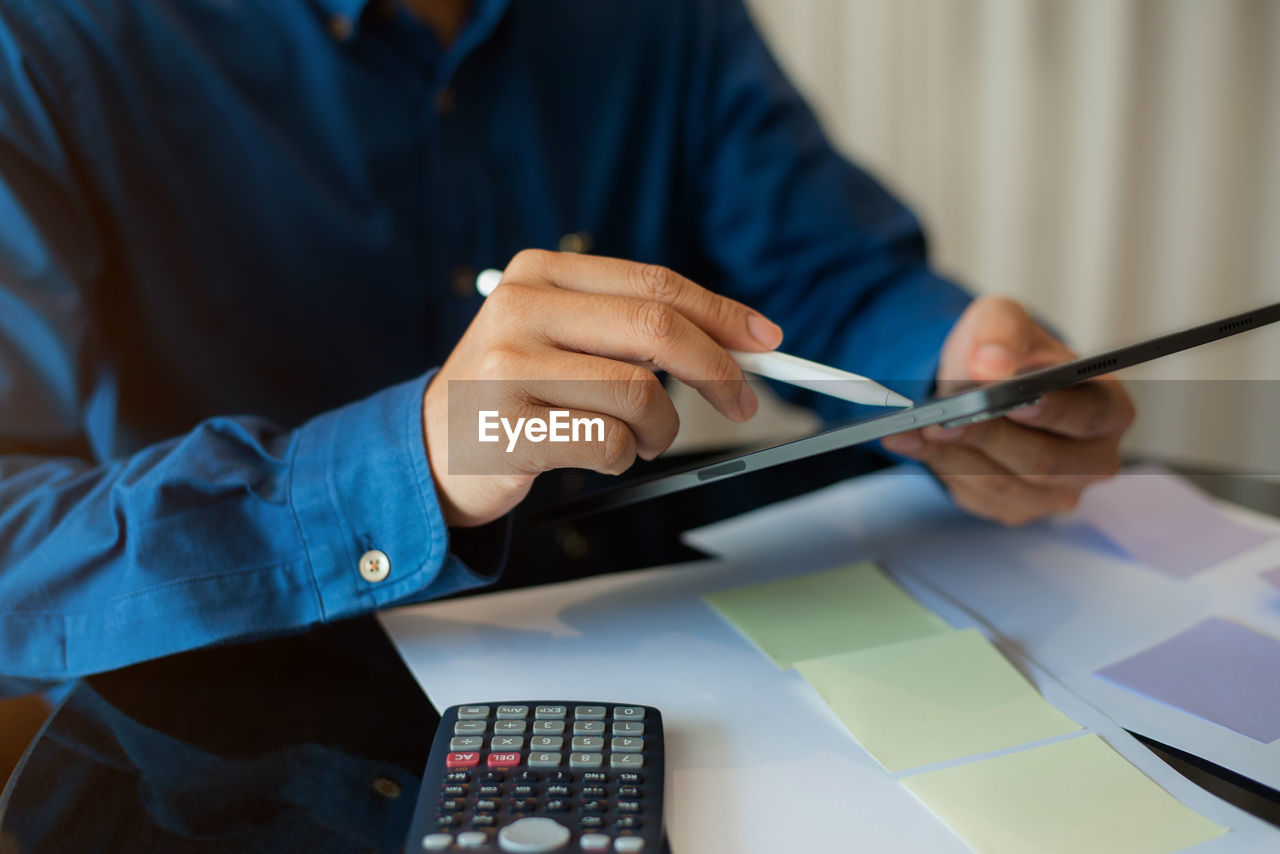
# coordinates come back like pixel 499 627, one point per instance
pixel 792 370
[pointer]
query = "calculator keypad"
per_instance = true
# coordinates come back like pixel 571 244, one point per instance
pixel 513 765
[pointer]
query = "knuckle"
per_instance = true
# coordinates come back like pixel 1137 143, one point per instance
pixel 654 282
pixel 638 393
pixel 618 449
pixel 509 298
pixel 655 321
pixel 528 259
pixel 499 364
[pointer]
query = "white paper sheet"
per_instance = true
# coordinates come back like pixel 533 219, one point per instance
pixel 756 761
pixel 1056 590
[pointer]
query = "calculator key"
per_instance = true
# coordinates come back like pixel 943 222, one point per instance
pixel 592 821
pixel 589 842
pixel 493 776
pixel 509 712
pixel 454 791
pixel 628 806
pixel 486 805
pixel 523 805
pixel 506 743
pixel 483 820
pixel 543 713
pixel 524 791
pixel 503 760
pixel 530 835
pixel 629 791
pixel 588 713
pixel 585 760
pixel 594 778
pixel 558 790
pixel 594 806
pixel 626 760
pixel 588 743
pixel 628 728
pixel 628 713
pixel 563 778
pixel 508 727
pixel 627 745
pixel 526 777
pixel 492 790
pixel 473 839
pixel 469 728
pixel 466 742
pixel 630 778
pixel 448 820
pixel 548 727
pixel 629 844
pixel 557 805
pixel 452 805
pixel 627 822
pixel 544 760
pixel 442 841
pixel 588 727
pixel 593 792
pixel 462 760
pixel 458 776
pixel 546 742
pixel 473 713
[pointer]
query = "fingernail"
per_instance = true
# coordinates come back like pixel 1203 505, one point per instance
pixel 995 359
pixel 934 433
pixel 903 443
pixel 764 330
pixel 748 403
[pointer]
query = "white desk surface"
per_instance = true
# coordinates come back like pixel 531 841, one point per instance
pixel 756 760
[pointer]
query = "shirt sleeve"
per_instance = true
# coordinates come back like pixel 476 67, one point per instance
pixel 797 231
pixel 236 529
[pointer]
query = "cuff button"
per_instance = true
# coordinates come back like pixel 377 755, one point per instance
pixel 375 566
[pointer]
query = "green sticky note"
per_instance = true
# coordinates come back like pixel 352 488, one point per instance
pixel 1069 796
pixel 934 698
pixel 819 613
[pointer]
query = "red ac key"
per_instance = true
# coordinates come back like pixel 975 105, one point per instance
pixel 462 760
pixel 503 760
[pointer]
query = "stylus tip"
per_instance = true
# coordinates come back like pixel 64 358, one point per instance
pixel 892 398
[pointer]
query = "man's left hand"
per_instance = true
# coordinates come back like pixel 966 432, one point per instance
pixel 1037 460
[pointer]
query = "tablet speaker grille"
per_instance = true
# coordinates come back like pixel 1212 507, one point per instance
pixel 1236 324
pixel 1094 367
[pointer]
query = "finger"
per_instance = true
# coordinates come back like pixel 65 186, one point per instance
pixel 1087 411
pixel 560 380
pixel 608 446
pixel 1003 336
pixel 987 489
pixel 728 322
pixel 1037 455
pixel 651 334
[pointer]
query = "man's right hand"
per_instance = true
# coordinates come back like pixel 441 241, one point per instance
pixel 584 334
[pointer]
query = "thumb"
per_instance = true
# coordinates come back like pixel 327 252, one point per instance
pixel 1003 335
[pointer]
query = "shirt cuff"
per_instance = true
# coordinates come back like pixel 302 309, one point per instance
pixel 361 481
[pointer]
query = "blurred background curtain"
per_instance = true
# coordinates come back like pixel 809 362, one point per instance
pixel 1115 164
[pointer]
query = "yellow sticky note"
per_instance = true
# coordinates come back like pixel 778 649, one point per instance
pixel 934 698
pixel 1061 798
pixel 819 613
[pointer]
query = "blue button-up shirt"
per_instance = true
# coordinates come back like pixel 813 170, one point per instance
pixel 236 236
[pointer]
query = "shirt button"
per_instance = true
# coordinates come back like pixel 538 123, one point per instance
pixel 374 566
pixel 444 103
pixel 462 281
pixel 576 241
pixel 341 27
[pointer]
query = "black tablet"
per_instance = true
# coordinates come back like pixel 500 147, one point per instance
pixel 967 407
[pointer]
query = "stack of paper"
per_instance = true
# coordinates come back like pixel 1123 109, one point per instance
pixel 914 692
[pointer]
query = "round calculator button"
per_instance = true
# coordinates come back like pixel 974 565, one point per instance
pixel 531 835
pixel 437 842
pixel 595 842
pixel 473 839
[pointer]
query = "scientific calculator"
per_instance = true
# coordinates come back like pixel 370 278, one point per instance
pixel 543 775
